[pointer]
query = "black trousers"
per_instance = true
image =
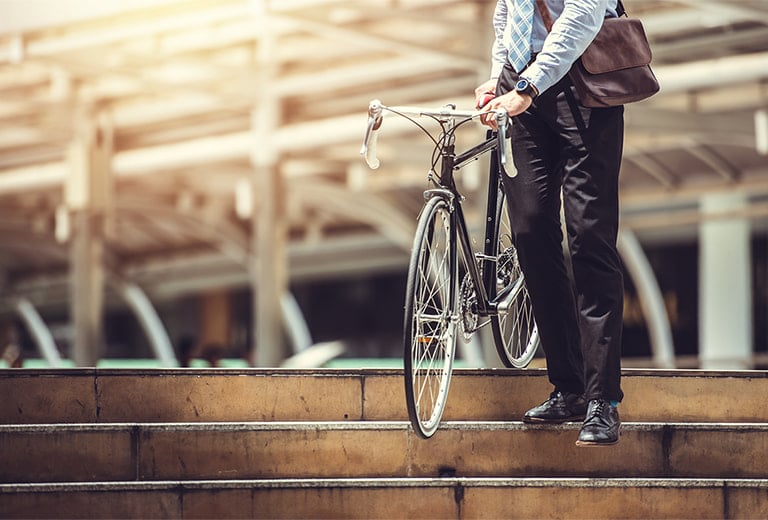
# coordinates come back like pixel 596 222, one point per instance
pixel 557 146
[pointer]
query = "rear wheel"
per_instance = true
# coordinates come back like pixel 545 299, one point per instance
pixel 430 317
pixel 514 330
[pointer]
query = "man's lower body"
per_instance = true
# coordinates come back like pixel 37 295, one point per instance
pixel 559 145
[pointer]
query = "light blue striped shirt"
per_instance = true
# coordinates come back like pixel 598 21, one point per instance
pixel 576 24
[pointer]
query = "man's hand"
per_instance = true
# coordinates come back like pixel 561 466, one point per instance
pixel 512 102
pixel 483 91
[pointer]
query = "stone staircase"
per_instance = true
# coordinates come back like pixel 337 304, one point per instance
pixel 189 443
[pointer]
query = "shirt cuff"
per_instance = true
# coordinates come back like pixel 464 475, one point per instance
pixel 536 76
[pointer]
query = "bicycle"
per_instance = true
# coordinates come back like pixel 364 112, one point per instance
pixel 450 286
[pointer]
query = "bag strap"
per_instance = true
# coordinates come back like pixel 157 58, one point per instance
pixel 541 5
pixel 546 15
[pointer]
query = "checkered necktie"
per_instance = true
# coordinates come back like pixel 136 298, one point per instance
pixel 520 36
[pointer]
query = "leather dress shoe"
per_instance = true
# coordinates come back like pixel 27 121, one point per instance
pixel 602 425
pixel 560 407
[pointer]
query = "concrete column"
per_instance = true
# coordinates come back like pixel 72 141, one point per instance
pixel 87 196
pixel 725 285
pixel 268 271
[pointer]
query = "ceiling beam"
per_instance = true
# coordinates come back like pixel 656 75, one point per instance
pixel 713 73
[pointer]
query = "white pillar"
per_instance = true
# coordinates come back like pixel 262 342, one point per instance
pixel 268 272
pixel 88 193
pixel 725 281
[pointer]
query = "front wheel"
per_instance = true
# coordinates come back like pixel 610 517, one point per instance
pixel 514 329
pixel 431 300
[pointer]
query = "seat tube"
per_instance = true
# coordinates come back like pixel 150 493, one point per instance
pixel 454 260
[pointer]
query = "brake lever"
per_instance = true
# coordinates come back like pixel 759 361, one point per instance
pixel 502 119
pixel 368 150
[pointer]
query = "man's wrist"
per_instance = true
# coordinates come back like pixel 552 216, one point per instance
pixel 524 86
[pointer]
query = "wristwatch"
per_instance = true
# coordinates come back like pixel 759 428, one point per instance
pixel 524 86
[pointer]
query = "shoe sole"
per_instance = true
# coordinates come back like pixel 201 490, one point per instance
pixel 592 444
pixel 536 420
pixel 597 444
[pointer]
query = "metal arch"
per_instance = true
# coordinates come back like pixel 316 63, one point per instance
pixel 651 300
pixel 731 11
pixel 371 209
pixel 718 163
pixel 140 304
pixel 231 241
pixel 298 330
pixel 39 332
pixel 228 239
pixel 356 37
pixel 711 73
pixel 30 241
pixel 655 169
pixel 161 344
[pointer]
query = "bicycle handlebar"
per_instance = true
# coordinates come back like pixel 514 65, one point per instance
pixel 444 114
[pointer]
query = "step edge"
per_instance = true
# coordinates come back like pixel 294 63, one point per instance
pixel 239 426
pixel 568 482
pixel 353 372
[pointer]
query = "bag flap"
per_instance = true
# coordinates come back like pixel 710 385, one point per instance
pixel 620 44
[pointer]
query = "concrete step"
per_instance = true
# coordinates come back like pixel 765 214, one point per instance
pixel 205 451
pixel 392 498
pixel 185 395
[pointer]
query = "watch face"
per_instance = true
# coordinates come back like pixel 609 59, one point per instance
pixel 521 84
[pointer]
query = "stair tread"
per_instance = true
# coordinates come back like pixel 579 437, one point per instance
pixel 181 395
pixel 392 498
pixel 585 482
pixel 238 426
pixel 192 372
pixel 336 443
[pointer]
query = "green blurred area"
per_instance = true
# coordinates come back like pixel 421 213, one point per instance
pixel 223 363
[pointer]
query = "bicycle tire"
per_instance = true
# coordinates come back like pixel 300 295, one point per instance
pixel 515 333
pixel 431 326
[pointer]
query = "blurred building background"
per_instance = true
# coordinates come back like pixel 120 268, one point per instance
pixel 180 179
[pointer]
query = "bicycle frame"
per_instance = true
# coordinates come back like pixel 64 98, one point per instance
pixel 451 162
